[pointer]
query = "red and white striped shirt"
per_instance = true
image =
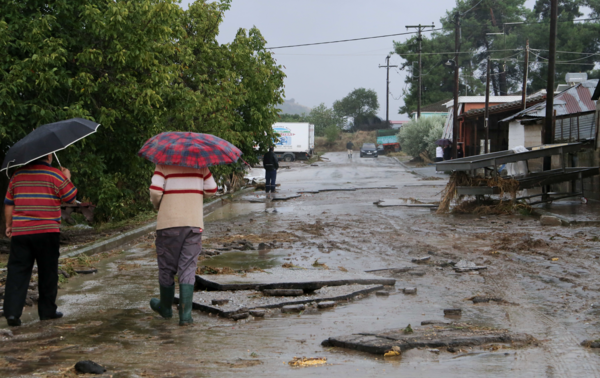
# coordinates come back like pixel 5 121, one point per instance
pixel 178 195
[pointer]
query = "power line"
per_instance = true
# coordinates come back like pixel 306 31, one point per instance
pixel 345 40
pixel 407 33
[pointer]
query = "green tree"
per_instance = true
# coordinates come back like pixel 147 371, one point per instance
pixel 138 68
pixel 323 118
pixel 332 132
pixel 360 104
pixel 478 18
pixel 418 135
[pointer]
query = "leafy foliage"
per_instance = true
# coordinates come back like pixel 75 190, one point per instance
pixel 360 104
pixel 506 51
pixel 420 135
pixel 138 68
pixel 324 119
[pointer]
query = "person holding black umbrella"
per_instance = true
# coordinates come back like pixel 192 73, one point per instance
pixel 32 211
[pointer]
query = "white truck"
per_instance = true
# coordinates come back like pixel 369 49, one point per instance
pixel 296 140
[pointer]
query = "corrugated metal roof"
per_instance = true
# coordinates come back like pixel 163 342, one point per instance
pixel 577 99
pixel 532 100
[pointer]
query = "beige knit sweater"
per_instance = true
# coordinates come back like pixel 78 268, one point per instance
pixel 178 192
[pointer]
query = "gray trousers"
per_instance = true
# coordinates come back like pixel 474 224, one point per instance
pixel 177 251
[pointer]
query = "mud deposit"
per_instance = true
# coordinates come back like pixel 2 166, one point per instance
pixel 546 278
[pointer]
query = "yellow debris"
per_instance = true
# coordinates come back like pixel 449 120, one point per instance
pixel 391 353
pixel 555 259
pixel 303 361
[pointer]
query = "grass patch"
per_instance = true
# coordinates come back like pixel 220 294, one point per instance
pixel 141 218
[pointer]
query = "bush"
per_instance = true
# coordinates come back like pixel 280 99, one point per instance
pixel 331 134
pixel 420 135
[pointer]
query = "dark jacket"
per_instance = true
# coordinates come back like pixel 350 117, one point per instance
pixel 270 162
pixel 349 145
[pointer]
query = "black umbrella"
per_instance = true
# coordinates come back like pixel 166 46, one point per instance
pixel 443 142
pixel 48 139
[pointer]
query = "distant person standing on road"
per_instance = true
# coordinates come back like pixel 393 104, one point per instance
pixel 439 154
pixel 32 211
pixel 271 165
pixel 350 147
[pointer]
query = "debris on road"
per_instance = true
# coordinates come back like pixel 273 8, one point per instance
pixel 421 260
pixel 293 308
pixel 89 367
pixel 258 312
pixel 281 278
pixel 448 335
pixel 549 220
pixel 242 301
pixel 483 299
pixel 467 266
pixel 452 312
pixel 591 343
pixel 303 361
pixel 409 290
pixel 326 304
pixel 382 293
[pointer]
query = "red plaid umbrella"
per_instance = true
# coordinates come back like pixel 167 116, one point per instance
pixel 192 150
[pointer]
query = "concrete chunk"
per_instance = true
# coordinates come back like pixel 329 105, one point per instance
pixel 326 304
pixel 409 290
pixel 292 308
pixel 240 316
pixel 453 311
pixel 258 312
pixel 549 220
pixel 382 293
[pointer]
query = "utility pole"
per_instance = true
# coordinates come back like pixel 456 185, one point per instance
pixel 419 38
pixel 387 93
pixel 547 134
pixel 525 73
pixel 455 109
pixel 487 107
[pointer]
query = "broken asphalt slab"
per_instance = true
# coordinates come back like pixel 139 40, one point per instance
pixel 244 301
pixel 438 336
pixel 283 278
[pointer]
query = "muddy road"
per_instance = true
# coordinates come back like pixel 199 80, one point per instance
pixel 547 278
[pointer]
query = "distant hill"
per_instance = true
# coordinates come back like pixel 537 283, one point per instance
pixel 292 107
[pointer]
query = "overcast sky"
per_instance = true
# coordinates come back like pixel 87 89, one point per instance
pixel 323 74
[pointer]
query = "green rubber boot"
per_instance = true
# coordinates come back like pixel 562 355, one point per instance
pixel 186 295
pixel 164 306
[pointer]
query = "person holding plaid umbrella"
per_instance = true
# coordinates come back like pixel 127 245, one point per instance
pixel 181 180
